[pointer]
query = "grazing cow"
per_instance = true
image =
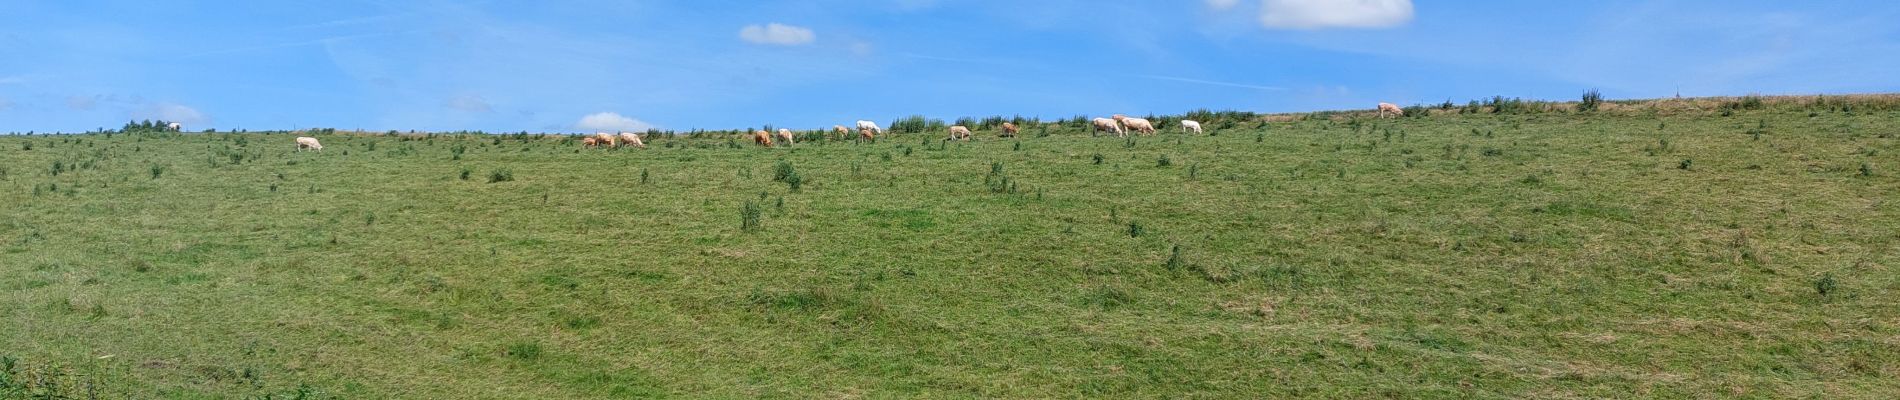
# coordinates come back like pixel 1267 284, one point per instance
pixel 1138 125
pixel 839 129
pixel 631 139
pixel 607 139
pixel 1105 124
pixel 591 142
pixel 862 124
pixel 763 138
pixel 958 132
pixel 785 135
pixel 174 127
pixel 1190 126
pixel 1389 107
pixel 306 142
pixel 1009 130
pixel 866 134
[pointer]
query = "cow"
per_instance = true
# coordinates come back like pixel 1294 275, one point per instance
pixel 1135 124
pixel 1190 126
pixel 632 139
pixel 863 124
pixel 1105 124
pixel 1389 107
pixel 607 139
pixel 591 142
pixel 1009 130
pixel 866 134
pixel 174 127
pixel 762 137
pixel 306 142
pixel 839 129
pixel 959 132
pixel 785 135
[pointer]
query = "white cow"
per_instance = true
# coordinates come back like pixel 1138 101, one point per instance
pixel 1188 125
pixel 785 135
pixel 1105 124
pixel 863 124
pixel 174 127
pixel 631 139
pixel 306 142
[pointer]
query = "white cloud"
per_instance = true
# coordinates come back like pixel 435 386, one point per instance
pixel 1320 14
pixel 608 121
pixel 777 34
pixel 82 103
pixel 171 112
pixel 469 102
pixel 1222 5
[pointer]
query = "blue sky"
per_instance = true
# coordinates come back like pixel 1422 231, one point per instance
pixel 575 66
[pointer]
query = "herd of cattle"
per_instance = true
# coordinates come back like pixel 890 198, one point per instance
pixel 1117 124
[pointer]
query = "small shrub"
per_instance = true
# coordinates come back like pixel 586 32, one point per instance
pixel 1164 161
pixel 749 217
pixel 1108 297
pixel 1592 100
pixel 26 146
pixel 643 174
pixel 1866 169
pixel 1685 164
pixel 465 172
pixel 1174 258
pixel 524 351
pixel 1194 171
pixel 157 170
pixel 795 182
pixel 1134 229
pixel 783 171
pixel 1098 158
pixel 1826 285
pixel 501 175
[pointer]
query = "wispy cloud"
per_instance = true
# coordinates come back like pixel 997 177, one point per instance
pixel 469 102
pixel 1207 82
pixel 777 34
pixel 609 121
pixel 171 112
pixel 1320 14
pixel 302 43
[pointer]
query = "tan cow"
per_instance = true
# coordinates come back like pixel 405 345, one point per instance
pixel 867 134
pixel 959 132
pixel 632 139
pixel 1389 107
pixel 785 135
pixel 607 139
pixel 591 142
pixel 762 137
pixel 1009 130
pixel 1105 124
pixel 1138 125
pixel 306 142
pixel 839 129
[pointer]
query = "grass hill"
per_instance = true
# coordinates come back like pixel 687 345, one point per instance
pixel 1671 248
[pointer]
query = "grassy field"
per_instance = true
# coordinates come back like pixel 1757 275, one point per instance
pixel 1556 255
